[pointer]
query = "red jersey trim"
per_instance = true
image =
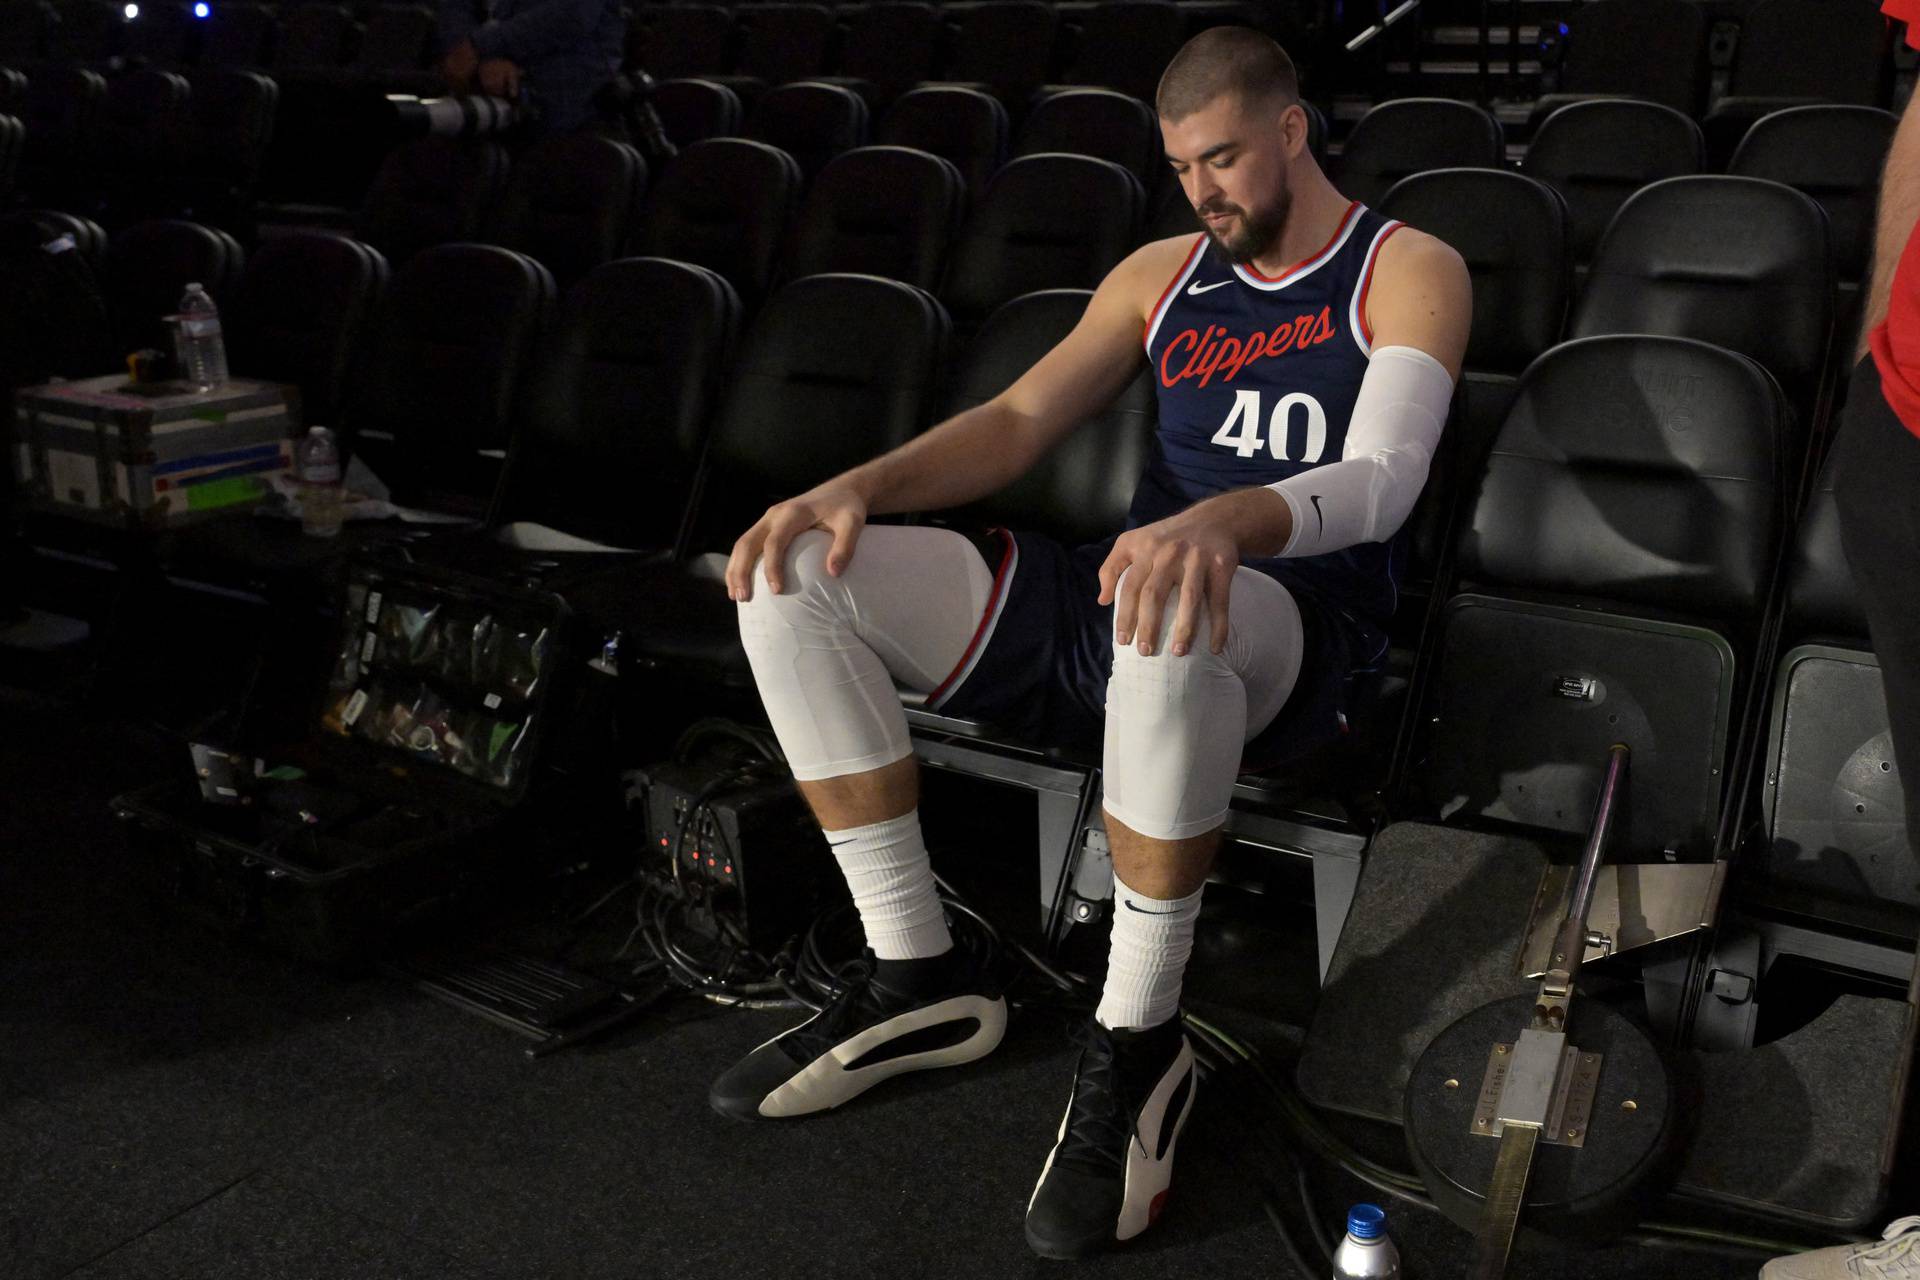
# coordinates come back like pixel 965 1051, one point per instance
pixel 1366 280
pixel 1160 307
pixel 988 618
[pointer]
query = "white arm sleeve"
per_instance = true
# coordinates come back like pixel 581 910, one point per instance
pixel 1396 423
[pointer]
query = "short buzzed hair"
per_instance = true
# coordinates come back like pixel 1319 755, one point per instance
pixel 1223 60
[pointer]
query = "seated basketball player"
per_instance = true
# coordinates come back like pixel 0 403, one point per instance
pixel 1305 351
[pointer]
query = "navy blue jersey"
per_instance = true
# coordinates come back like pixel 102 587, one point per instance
pixel 1257 378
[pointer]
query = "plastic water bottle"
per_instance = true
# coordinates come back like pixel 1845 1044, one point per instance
pixel 1367 1251
pixel 203 351
pixel 320 497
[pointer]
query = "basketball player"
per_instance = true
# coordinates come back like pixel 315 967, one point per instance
pixel 1304 351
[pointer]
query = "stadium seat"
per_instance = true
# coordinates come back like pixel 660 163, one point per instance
pixel 1412 135
pixel 149 266
pixel 678 41
pixel 430 404
pixel 1650 49
pixel 1796 52
pixel 1834 155
pixel 230 124
pixel 1596 154
pixel 811 121
pixel 13 91
pixel 724 204
pixel 313 37
pixel 140 144
pixel 300 309
pixel 1095 122
pixel 1126 45
pixel 781 43
pixel 13 140
pixel 63 113
pixel 1751 274
pixel 88 236
pixel 961 125
pixel 570 203
pixel 430 191
pixel 86 32
pixel 1045 222
pixel 887 48
pixel 694 109
pixel 242 36
pixel 882 211
pixel 1004 45
pixel 85 348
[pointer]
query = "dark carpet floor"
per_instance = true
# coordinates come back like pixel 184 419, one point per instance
pixel 178 1105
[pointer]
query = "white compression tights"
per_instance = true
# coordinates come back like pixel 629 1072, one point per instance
pixel 828 652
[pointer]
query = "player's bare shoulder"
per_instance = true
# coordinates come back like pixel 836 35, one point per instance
pixel 1422 296
pixel 1412 258
pixel 1146 272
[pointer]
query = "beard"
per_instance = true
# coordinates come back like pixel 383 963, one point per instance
pixel 1253 234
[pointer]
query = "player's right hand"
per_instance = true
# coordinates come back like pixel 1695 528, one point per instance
pixel 838 509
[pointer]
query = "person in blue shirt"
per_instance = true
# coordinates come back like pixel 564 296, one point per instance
pixel 554 54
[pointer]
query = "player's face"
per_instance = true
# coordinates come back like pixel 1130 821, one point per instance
pixel 1232 161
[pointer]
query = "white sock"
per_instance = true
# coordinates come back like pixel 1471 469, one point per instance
pixel 1152 938
pixel 886 867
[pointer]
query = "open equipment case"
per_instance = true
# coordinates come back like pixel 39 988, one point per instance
pixel 416 790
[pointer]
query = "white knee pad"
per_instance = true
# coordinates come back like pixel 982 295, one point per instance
pixel 1175 725
pixel 827 651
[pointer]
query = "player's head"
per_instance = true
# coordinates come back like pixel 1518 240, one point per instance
pixel 1232 124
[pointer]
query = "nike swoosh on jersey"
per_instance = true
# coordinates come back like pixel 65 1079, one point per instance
pixel 1196 288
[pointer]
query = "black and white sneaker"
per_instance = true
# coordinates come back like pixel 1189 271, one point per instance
pixel 1108 1175
pixel 869 1034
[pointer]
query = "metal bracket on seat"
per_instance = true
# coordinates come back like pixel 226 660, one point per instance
pixel 1634 905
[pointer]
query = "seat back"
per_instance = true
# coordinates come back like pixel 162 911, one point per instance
pixel 1614 558
pixel 1832 154
pixel 811 122
pixel 429 191
pixel 150 265
pixel 436 379
pixel 1412 135
pixel 571 203
pixel 1652 49
pixel 691 110
pixel 302 306
pixel 1596 154
pixel 835 370
pixel 1095 122
pixel 238 35
pixel 1045 222
pixel 618 410
pixel 1080 491
pixel 1736 262
pixel 1005 44
pixel 679 40
pixel 723 203
pixel 85 31
pixel 960 125
pixel 883 211
pixel 784 42
pixel 1126 45
pixel 891 45
pixel 1811 49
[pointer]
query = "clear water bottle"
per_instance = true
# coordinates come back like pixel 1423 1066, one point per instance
pixel 1367 1251
pixel 203 351
pixel 318 461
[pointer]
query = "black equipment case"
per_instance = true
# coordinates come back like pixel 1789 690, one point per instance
pixel 415 793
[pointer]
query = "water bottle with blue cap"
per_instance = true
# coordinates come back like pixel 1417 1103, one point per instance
pixel 1367 1253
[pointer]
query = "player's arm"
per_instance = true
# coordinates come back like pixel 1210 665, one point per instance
pixel 982 450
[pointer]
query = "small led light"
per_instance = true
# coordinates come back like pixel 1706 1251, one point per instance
pixel 201 10
pixel 132 11
pixel 728 869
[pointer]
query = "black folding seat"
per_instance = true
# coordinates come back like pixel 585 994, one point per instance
pixel 1736 262
pixel 1412 135
pixel 676 41
pixel 1126 45
pixel 164 35
pixel 85 348
pixel 313 37
pixel 13 139
pixel 150 265
pixel 811 121
pixel 1833 154
pixel 50 224
pixel 882 211
pixel 430 191
pixel 781 43
pixel 239 35
pixel 724 204
pixel 229 127
pixel 23 32
pixel 1596 154
pixel 962 125
pixel 1512 232
pixel 1796 52
pixel 887 48
pixel 63 114
pixel 1080 491
pixel 571 203
pixel 396 39
pixel 13 91
pixel 1045 222
pixel 1651 49
pixel 1095 122
pixel 140 143
pixel 1004 45
pixel 691 110
pixel 1612 575
pixel 300 310
pixel 86 31
pixel 430 404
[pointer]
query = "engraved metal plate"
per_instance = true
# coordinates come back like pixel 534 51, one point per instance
pixel 1576 1085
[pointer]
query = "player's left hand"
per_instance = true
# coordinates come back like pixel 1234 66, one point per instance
pixel 1195 553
